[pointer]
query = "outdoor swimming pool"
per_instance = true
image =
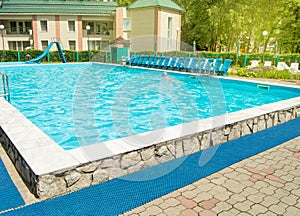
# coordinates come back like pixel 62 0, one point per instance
pixel 83 104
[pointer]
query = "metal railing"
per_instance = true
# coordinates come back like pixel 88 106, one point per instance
pixel 5 93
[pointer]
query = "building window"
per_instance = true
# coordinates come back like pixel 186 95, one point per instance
pixel 170 26
pixel 71 25
pixel 72 45
pixel 13 27
pixel 44 44
pixel 98 45
pixel 126 24
pixel 19 27
pixel 44 25
pixel 18 45
pixel 99 28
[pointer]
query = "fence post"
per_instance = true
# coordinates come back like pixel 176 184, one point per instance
pixel 277 59
pixel 77 56
pixel 217 56
pixel 48 56
pixel 19 56
pixel 245 61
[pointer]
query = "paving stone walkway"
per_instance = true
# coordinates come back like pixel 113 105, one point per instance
pixel 265 184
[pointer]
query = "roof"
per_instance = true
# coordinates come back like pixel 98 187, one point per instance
pixel 155 3
pixel 120 40
pixel 57 7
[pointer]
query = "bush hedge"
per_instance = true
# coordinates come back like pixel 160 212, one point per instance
pixel 104 56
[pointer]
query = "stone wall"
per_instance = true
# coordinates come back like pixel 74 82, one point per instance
pixel 61 182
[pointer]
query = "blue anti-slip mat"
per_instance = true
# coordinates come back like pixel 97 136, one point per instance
pixel 120 195
pixel 9 194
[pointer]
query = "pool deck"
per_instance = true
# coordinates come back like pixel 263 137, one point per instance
pixel 266 184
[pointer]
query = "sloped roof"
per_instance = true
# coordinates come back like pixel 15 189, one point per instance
pixel 120 40
pixel 57 7
pixel 155 3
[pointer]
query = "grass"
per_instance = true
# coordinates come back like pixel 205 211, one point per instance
pixel 269 74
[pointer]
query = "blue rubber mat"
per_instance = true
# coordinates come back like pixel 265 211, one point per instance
pixel 120 195
pixel 9 195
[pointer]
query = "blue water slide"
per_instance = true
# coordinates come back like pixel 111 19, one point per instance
pixel 61 54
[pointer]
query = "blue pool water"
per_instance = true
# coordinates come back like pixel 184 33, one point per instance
pixel 82 104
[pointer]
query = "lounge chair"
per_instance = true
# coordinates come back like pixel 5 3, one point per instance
pixel 173 62
pixel 140 61
pixel 135 61
pixel 225 67
pixel 217 65
pixel 192 67
pixel 166 62
pixel 186 63
pixel 201 65
pixel 179 63
pixel 129 61
pixel 295 67
pixel 254 63
pixel 282 66
pixel 209 65
pixel 145 61
pixel 268 64
pixel 154 62
pixel 148 62
pixel 161 61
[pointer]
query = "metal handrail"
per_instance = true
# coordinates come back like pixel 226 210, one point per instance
pixel 6 93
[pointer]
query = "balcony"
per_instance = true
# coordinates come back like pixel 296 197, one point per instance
pixel 18 31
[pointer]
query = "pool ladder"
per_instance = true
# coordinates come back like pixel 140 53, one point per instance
pixel 5 93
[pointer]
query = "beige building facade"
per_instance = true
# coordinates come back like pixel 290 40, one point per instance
pixel 83 25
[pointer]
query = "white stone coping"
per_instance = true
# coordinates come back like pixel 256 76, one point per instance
pixel 44 156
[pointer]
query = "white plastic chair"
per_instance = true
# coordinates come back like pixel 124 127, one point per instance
pixel 282 66
pixel 268 63
pixel 295 67
pixel 254 63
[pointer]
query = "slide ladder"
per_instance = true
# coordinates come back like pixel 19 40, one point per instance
pixel 5 92
pixel 60 51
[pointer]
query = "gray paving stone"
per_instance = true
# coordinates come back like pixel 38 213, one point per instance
pixel 257 209
pixel 172 211
pixel 291 210
pixel 290 200
pixel 243 206
pixel 279 208
pixel 221 206
pixel 270 200
pixel 154 210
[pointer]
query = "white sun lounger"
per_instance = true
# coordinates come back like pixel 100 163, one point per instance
pixel 254 63
pixel 295 67
pixel 268 63
pixel 282 66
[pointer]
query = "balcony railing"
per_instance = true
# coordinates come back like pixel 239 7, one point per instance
pixel 95 33
pixel 18 31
